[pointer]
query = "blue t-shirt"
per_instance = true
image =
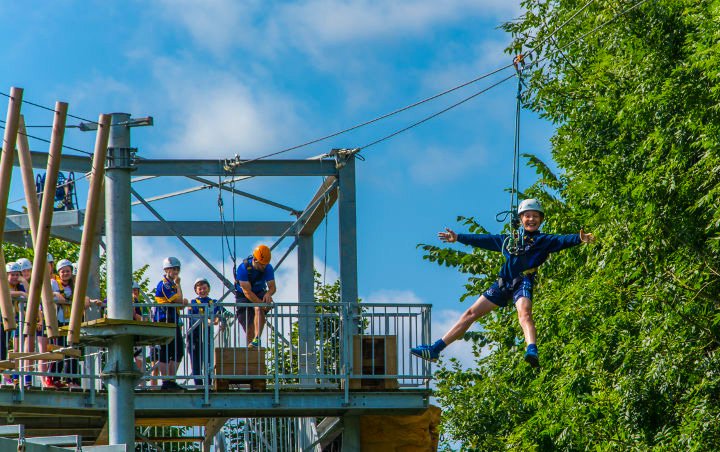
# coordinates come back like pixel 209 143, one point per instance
pixel 258 279
pixel 536 250
pixel 166 292
pixel 196 308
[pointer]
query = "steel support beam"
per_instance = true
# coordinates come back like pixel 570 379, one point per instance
pixel 179 167
pixel 191 404
pixel 245 194
pixel 183 167
pixel 76 163
pixel 21 222
pixel 120 371
pixel 209 228
pixel 321 210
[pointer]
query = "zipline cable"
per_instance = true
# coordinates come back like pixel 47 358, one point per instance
pixel 435 115
pixel 51 109
pixel 379 118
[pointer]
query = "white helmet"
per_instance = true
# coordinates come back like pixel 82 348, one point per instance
pixel 530 204
pixel 201 280
pixel 74 266
pixel 12 267
pixel 63 263
pixel 25 263
pixel 50 258
pixel 169 262
pixel 135 285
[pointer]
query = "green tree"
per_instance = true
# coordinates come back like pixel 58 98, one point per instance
pixel 629 328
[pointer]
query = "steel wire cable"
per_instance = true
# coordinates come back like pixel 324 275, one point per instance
pixel 48 141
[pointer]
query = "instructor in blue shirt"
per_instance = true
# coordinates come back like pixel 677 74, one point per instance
pixel 254 283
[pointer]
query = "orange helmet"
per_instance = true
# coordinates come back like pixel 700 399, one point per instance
pixel 262 254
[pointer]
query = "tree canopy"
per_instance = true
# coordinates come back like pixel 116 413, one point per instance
pixel 628 328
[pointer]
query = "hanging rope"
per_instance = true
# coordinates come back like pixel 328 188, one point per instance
pixel 231 252
pixel 514 242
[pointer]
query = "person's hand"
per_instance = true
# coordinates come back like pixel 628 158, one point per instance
pixel 586 237
pixel 449 236
pixel 267 298
pixel 177 280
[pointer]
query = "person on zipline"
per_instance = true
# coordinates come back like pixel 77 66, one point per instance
pixel 515 281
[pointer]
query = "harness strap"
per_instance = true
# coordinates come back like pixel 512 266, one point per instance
pixel 517 279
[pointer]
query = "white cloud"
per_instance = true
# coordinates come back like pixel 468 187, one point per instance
pixel 393 296
pixel 220 114
pixel 152 251
pixel 457 66
pixel 216 25
pixel 314 24
pixel 435 165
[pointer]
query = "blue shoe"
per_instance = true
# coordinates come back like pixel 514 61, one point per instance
pixel 425 352
pixel 531 357
pixel 255 343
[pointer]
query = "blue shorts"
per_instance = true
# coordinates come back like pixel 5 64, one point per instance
pixel 501 292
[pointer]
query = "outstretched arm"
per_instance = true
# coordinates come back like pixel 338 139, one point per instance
pixel 562 241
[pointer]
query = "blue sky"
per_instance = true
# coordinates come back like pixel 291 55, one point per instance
pixel 223 77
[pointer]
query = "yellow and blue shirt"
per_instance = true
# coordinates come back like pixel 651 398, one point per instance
pixel 166 293
pixel 67 291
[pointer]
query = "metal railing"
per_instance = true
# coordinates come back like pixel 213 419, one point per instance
pixel 301 346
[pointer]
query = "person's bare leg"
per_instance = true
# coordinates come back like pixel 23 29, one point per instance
pixel 259 321
pixel 481 307
pixel 42 342
pixel 250 332
pixel 172 368
pixel 155 372
pixel 524 310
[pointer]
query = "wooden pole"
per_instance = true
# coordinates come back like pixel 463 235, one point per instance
pixel 91 223
pixel 6 168
pixel 33 210
pixel 46 211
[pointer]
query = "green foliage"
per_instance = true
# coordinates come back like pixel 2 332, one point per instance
pixel 628 328
pixel 327 323
pixel 58 248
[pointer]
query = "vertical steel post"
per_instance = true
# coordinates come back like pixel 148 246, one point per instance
pixel 120 371
pixel 306 323
pixel 306 294
pixel 348 284
pixel 351 434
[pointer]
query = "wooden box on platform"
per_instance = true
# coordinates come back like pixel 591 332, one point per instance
pixel 374 355
pixel 242 363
